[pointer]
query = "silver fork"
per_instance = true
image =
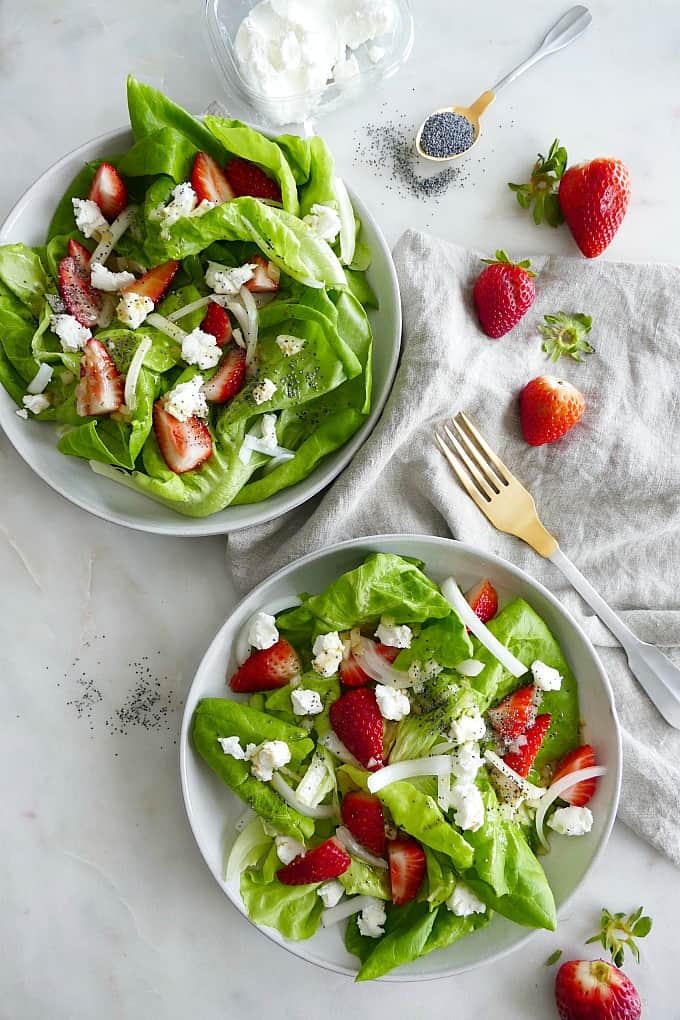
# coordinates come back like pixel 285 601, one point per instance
pixel 511 508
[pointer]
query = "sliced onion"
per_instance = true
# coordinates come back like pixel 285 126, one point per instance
pixel 164 325
pixel 40 380
pixel 114 233
pixel 288 794
pixel 527 788
pixel 258 444
pixel 332 742
pixel 445 748
pixel 352 905
pixel 455 598
pixel 372 662
pixel 470 667
pixel 347 224
pixel 251 311
pixel 133 371
pixel 193 306
pixel 355 849
pixel 558 788
pixel 443 791
pixel 237 337
pixel 434 765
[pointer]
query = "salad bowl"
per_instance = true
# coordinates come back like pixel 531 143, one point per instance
pixel 214 811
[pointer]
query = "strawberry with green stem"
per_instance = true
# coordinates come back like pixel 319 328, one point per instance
pixel 620 930
pixel 566 334
pixel 542 188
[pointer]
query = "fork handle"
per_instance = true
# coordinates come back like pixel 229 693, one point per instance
pixel 653 670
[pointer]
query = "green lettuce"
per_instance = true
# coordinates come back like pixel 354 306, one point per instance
pixel 446 641
pixel 23 274
pixel 164 151
pixel 150 111
pixel 294 910
pixel 362 879
pixel 240 140
pixel 418 814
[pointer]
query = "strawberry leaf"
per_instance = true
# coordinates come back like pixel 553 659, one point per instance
pixel 618 931
pixel 553 958
pixel 566 334
pixel 541 189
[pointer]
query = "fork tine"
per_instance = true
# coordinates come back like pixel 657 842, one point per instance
pixel 462 477
pixel 501 470
pixel 481 482
pixel 485 469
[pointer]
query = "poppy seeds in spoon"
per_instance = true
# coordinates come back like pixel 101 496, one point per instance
pixel 446 134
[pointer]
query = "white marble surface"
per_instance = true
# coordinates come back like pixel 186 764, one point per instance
pixel 107 908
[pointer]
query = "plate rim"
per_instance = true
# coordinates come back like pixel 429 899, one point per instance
pixel 297 948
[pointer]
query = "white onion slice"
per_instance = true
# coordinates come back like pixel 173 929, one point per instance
pixel 527 788
pixel 434 765
pixel 133 371
pixel 470 667
pixel 332 742
pixel 111 236
pixel 40 380
pixel 352 905
pixel 288 794
pixel 258 444
pixel 164 325
pixel 455 598
pixel 251 311
pixel 445 748
pixel 347 224
pixel 193 306
pixel 378 669
pixel 355 849
pixel 558 788
pixel 443 791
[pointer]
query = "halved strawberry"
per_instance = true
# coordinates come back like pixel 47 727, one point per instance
pixel 108 191
pixel 363 816
pixel 581 758
pixel 217 323
pixel 356 719
pixel 321 863
pixel 185 445
pixel 80 255
pixel 208 180
pixel 101 388
pixel 79 296
pixel 407 863
pixel 514 714
pixel 483 599
pixel 351 673
pixel 229 379
pixel 247 179
pixel 388 653
pixel 522 759
pixel 266 669
pixel 266 276
pixel 595 990
pixel 155 282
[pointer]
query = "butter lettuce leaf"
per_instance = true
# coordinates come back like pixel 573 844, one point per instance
pixel 418 814
pixel 294 910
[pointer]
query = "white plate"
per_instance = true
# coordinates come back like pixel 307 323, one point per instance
pixel 73 478
pixel 213 809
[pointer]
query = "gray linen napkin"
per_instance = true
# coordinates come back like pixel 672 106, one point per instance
pixel 610 490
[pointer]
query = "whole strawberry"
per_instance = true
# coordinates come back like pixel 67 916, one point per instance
pixel 595 990
pixel 548 409
pixel 504 293
pixel 594 198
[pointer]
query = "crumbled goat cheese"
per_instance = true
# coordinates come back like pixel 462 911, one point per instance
pixel 89 218
pixel 463 902
pixel 331 892
pixel 469 726
pixel 224 280
pixel 466 801
pixel 395 637
pixel 290 345
pixel 262 631
pixel 324 221
pixel 571 821
pixel 269 756
pixel 393 704
pixel 132 309
pixel 545 677
pixel 187 400
pixel 73 336
pixel 202 349
pixel 306 702
pixel 328 651
pixel 287 848
pixel 372 919
pixel 102 278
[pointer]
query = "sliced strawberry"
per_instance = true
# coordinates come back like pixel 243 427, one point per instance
pixel 217 323
pixel 525 756
pixel 80 255
pixel 388 653
pixel 363 816
pixel 581 758
pixel 247 179
pixel 266 276
pixel 407 863
pixel 101 388
pixel 318 865
pixel 356 719
pixel 185 445
pixel 483 599
pixel 267 669
pixel 108 191
pixel 514 714
pixel 155 282
pixel 209 181
pixel 351 673
pixel 229 379
pixel 79 296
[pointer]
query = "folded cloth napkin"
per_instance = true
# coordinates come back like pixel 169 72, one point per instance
pixel 610 490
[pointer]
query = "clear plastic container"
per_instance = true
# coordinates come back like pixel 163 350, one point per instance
pixel 224 18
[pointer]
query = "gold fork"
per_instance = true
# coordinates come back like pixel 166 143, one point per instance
pixel 510 508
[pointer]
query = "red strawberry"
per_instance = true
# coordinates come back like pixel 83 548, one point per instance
pixel 318 865
pixel 387 651
pixel 155 282
pixel 363 816
pixel 356 719
pixel 266 276
pixel 208 180
pixel 229 379
pixel 503 293
pixel 594 198
pixel 595 990
pixel 100 389
pixel 407 863
pixel 185 445
pixel 514 714
pixel 80 255
pixel 217 323
pixel 351 673
pixel 267 669
pixel 522 759
pixel 247 179
pixel 548 409
pixel 79 296
pixel 483 599
pixel 108 191
pixel 581 758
